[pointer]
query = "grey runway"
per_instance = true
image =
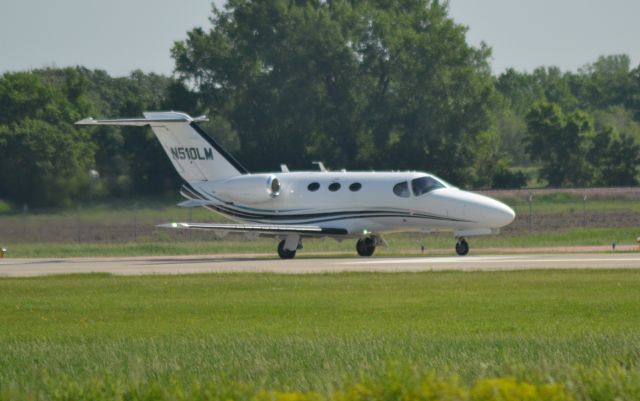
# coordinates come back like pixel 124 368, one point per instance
pixel 249 264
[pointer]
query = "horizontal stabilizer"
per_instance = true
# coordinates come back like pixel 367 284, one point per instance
pixel 272 229
pixel 140 122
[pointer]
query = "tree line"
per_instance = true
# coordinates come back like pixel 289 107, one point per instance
pixel 357 84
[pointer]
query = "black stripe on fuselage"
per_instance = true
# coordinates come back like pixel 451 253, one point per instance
pixel 329 216
pixel 352 213
pixel 190 192
pixel 219 149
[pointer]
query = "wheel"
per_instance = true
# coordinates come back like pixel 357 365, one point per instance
pixel 462 247
pixel 366 246
pixel 285 253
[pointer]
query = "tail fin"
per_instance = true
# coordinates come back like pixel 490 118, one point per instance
pixel 195 155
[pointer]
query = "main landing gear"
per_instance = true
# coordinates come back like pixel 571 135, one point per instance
pixel 462 247
pixel 287 247
pixel 285 253
pixel 366 246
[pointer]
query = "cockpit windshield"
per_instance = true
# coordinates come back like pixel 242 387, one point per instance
pixel 425 185
pixel 402 189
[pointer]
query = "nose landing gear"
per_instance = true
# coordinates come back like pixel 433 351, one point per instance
pixel 462 247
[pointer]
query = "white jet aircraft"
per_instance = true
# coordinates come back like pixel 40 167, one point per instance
pixel 296 205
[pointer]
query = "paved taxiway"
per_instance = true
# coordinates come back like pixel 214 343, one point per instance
pixel 229 264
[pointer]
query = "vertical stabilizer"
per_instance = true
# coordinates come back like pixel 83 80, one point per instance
pixel 194 155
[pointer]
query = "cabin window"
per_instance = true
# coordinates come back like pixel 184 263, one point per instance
pixel 402 189
pixel 355 187
pixel 334 187
pixel 425 185
pixel 314 186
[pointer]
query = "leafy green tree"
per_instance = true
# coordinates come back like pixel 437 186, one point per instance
pixel 619 118
pixel 560 143
pixel 632 100
pixel 615 158
pixel 521 90
pixel 131 161
pixel 45 159
pixel 360 84
pixel 606 88
pixel 606 82
pixel 492 164
pixel 556 87
pixel 511 129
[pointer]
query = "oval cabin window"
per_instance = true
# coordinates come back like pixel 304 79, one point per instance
pixel 355 187
pixel 334 187
pixel 314 186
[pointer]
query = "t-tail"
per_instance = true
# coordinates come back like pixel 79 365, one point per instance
pixel 194 154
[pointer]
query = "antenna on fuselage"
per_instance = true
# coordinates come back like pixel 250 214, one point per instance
pixel 321 166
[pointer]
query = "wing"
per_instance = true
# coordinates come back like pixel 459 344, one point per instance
pixel 268 229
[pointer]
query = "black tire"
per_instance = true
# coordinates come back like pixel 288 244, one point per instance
pixel 285 253
pixel 462 247
pixel 365 246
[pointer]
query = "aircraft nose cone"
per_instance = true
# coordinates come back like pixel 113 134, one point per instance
pixel 491 212
pixel 501 214
pixel 482 210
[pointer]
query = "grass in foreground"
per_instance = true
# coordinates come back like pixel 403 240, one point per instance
pixel 342 336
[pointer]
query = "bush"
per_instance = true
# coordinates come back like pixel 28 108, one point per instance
pixel 506 179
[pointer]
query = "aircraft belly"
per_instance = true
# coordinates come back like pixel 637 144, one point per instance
pixel 361 226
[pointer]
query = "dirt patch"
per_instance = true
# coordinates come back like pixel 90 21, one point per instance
pixel 627 193
pixel 538 222
pixel 78 230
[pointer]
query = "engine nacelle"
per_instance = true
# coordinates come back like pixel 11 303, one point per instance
pixel 249 189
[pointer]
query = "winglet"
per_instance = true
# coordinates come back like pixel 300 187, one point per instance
pixel 195 203
pixel 173 225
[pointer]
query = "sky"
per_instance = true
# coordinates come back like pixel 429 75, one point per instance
pixel 123 35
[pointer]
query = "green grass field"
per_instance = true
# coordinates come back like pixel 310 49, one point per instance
pixel 558 335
